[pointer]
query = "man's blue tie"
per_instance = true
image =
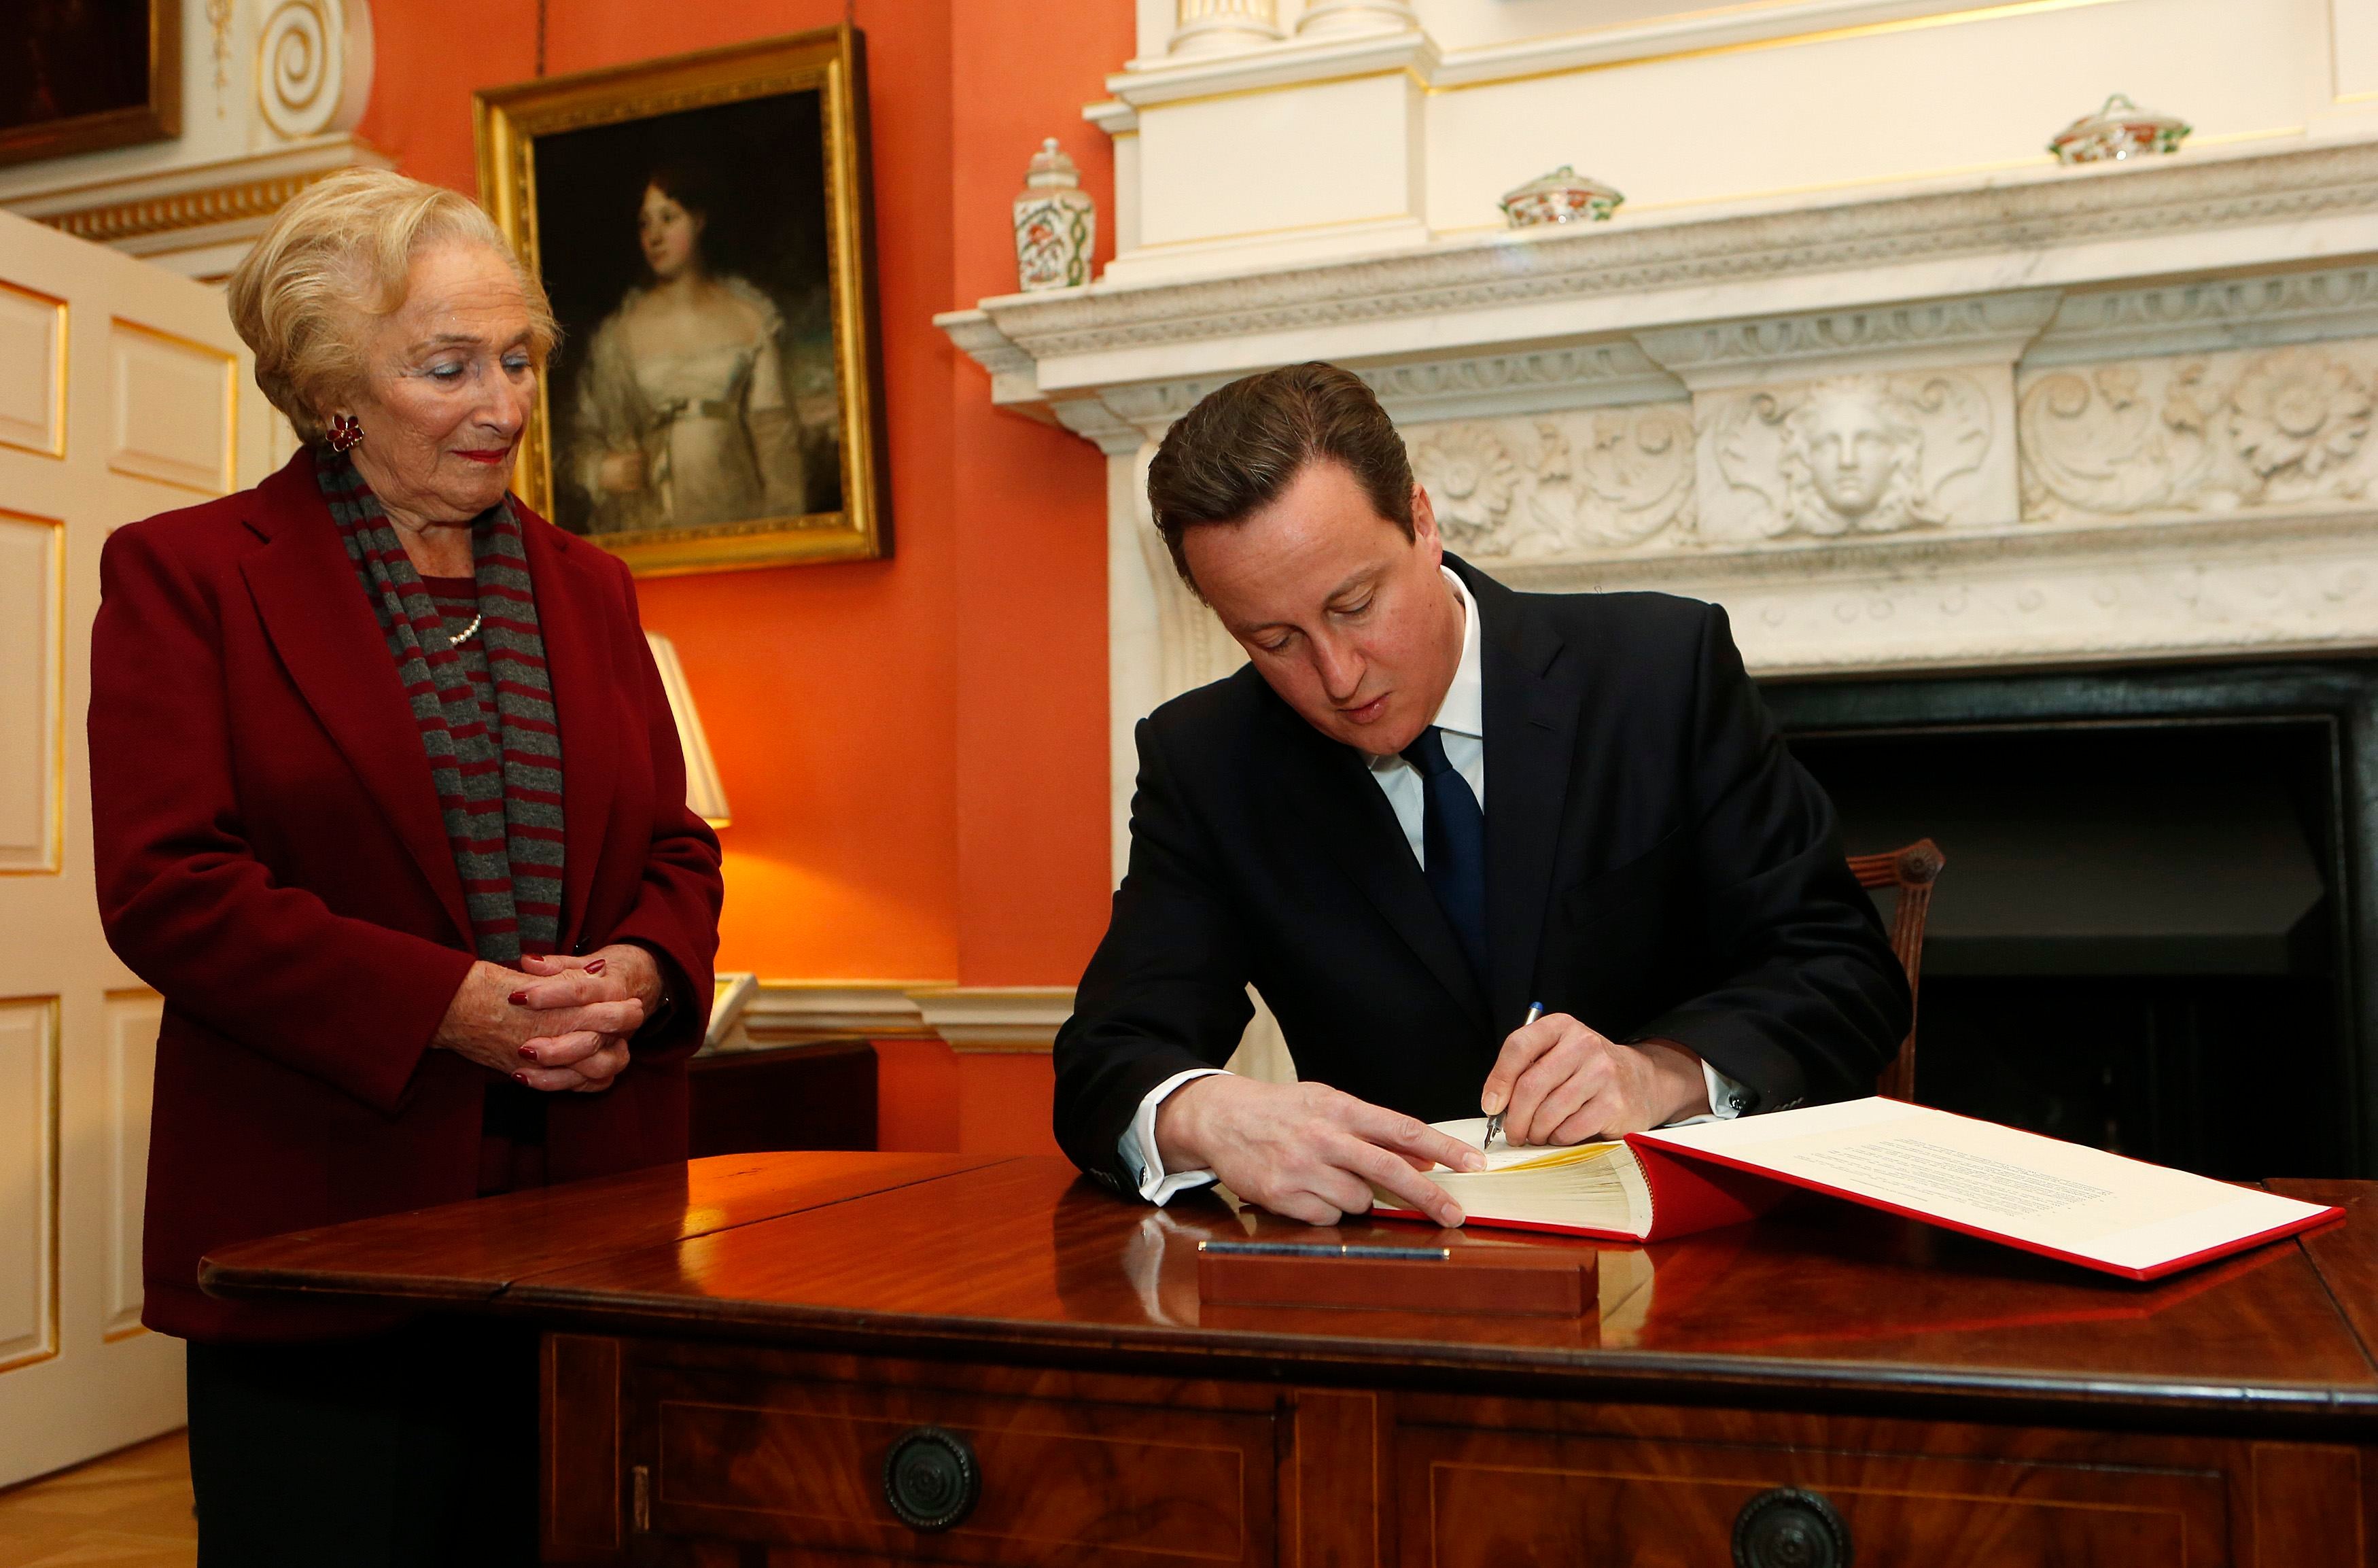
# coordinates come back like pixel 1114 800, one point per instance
pixel 1453 840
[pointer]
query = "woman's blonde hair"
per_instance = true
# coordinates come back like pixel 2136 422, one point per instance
pixel 338 255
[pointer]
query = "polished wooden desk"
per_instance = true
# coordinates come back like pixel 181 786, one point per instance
pixel 734 1347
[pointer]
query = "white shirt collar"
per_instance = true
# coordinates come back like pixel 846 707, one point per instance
pixel 1464 711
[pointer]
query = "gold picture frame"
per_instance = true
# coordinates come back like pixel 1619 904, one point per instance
pixel 569 167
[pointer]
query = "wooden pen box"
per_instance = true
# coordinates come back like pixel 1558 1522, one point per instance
pixel 1499 1281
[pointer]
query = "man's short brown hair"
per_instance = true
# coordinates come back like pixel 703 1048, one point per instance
pixel 1246 442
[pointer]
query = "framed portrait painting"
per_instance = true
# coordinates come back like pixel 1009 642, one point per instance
pixel 702 226
pixel 77 76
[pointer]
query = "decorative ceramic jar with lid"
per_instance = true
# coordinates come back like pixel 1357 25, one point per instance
pixel 2120 130
pixel 1562 197
pixel 1056 224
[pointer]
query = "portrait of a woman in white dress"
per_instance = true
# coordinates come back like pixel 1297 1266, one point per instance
pixel 715 400
pixel 686 414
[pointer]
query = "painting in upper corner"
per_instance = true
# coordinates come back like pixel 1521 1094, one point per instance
pixel 703 226
pixel 78 76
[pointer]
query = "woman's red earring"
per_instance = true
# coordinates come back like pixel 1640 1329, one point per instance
pixel 346 432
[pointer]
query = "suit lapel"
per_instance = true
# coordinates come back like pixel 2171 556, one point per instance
pixel 577 662
pixel 1531 695
pixel 322 627
pixel 1330 790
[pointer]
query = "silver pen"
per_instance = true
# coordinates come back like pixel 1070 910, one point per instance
pixel 1494 1122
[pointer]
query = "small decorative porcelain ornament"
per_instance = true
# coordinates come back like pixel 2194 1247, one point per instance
pixel 1056 224
pixel 2121 129
pixel 1562 197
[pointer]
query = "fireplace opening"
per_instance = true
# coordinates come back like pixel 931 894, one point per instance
pixel 2143 940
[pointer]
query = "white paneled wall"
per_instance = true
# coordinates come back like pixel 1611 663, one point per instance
pixel 32 372
pixel 131 1034
pixel 173 413
pixel 123 393
pixel 33 562
pixel 28 1180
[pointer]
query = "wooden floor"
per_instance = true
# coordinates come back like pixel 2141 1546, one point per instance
pixel 129 1510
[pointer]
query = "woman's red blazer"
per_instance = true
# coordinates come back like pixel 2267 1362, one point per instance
pixel 272 859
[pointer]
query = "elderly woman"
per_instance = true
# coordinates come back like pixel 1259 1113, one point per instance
pixel 390 807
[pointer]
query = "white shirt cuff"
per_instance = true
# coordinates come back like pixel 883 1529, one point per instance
pixel 1138 1144
pixel 1727 1099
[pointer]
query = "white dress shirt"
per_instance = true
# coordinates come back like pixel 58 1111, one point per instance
pixel 1461 721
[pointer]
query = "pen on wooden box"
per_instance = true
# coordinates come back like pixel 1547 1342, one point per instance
pixel 1325 1249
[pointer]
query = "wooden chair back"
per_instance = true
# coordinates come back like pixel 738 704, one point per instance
pixel 1912 870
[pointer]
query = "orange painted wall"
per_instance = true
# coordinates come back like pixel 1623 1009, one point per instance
pixel 916 748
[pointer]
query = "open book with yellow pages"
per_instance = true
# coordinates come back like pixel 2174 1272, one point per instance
pixel 2065 1201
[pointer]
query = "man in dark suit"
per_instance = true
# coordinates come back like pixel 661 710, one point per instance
pixel 1427 803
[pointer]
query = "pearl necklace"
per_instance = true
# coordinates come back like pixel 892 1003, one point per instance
pixel 453 640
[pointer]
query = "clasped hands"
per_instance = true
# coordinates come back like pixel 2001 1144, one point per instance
pixel 559 1023
pixel 1313 1153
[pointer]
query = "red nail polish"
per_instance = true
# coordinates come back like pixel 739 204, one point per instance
pixel 519 998
pixel 530 1051
pixel 596 967
pixel 519 1078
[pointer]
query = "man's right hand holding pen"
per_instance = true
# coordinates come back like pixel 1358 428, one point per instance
pixel 1495 1112
pixel 1560 1082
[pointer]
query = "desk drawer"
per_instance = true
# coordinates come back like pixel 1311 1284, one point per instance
pixel 802 1463
pixel 1479 1500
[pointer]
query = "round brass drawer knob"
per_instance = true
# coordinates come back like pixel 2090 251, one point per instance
pixel 1790 1528
pixel 930 1479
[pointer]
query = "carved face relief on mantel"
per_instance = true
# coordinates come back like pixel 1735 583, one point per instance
pixel 1852 445
pixel 1849 455
pixel 1551 485
pixel 2285 427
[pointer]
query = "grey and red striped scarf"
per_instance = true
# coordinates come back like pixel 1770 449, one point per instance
pixel 499 793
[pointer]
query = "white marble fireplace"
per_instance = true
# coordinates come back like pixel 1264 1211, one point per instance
pixel 1917 419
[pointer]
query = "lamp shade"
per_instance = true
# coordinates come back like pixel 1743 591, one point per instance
pixel 703 790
